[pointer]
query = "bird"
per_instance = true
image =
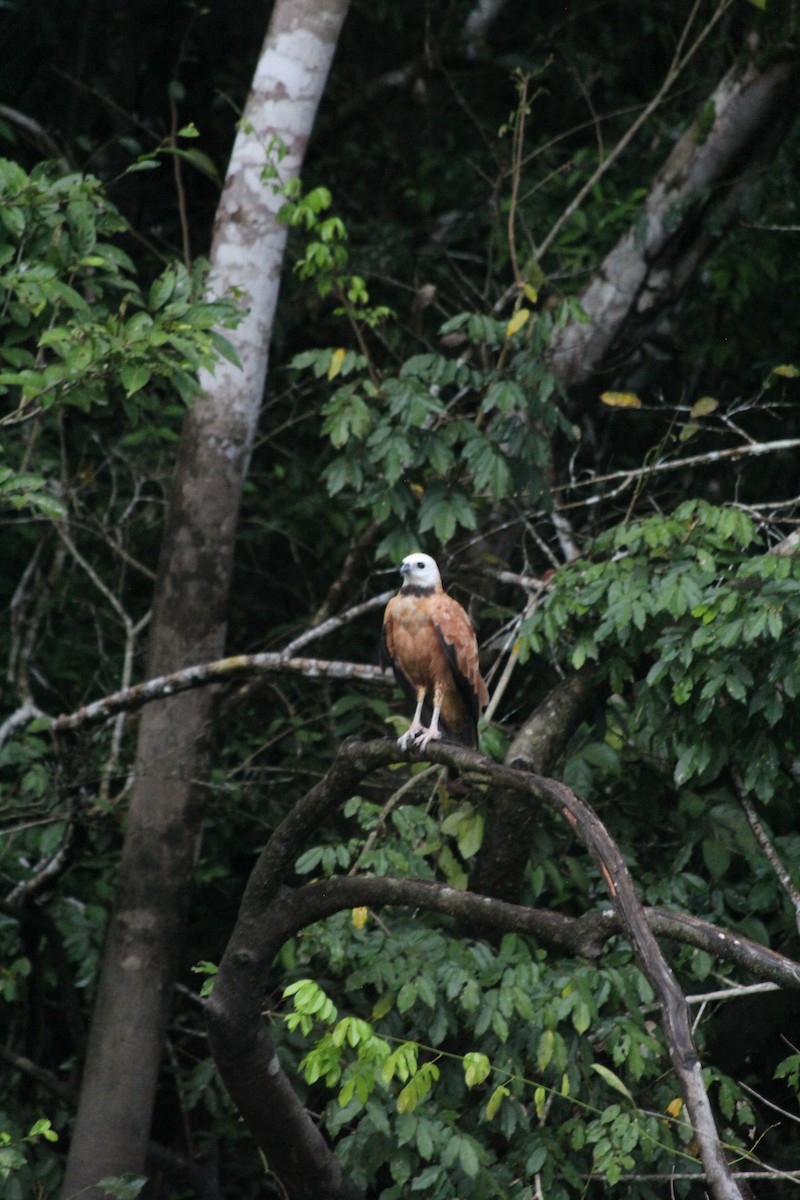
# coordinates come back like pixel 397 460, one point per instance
pixel 429 642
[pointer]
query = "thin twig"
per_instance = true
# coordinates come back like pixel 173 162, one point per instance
pixel 763 1100
pixel 676 464
pixel 731 993
pixel 409 785
pixel 765 842
pixel 336 622
pixel 511 661
pixel 679 61
pixel 110 765
pixel 95 578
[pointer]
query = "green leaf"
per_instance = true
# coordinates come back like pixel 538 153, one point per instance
pixel 443 513
pixel 122 1187
pixel 142 164
pixel 134 377
pixel 716 856
pixel 406 997
pixel 43 1128
pixel 470 835
pixel 468 1157
pixel 581 1016
pixel 162 289
pixel 704 406
pixel 612 1080
pixel 544 1052
pixel 198 158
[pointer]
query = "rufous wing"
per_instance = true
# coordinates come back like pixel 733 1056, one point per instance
pixel 462 705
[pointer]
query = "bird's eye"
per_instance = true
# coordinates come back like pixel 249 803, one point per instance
pixel 421 566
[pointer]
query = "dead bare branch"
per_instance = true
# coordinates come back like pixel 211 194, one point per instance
pixel 219 671
pixel 336 622
pixel 675 464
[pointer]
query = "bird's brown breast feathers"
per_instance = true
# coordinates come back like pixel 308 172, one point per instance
pixel 413 643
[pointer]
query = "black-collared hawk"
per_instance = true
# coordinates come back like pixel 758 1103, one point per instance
pixel 430 644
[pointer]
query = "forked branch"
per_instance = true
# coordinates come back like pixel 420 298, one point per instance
pixel 270 912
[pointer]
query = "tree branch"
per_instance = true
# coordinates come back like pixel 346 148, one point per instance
pixel 748 105
pixel 205 674
pixel 245 1054
pixel 765 842
pixel 676 464
pixel 680 60
pixel 328 626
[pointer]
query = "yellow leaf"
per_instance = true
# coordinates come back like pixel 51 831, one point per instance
pixel 417 489
pixel 787 370
pixel 517 321
pixel 476 1068
pixel 359 916
pixel 495 1100
pixel 407 1100
pixel 703 406
pixel 688 431
pixel 674 1107
pixel 621 400
pixel 337 358
pixel 531 293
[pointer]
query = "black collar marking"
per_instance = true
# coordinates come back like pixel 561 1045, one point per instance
pixel 413 589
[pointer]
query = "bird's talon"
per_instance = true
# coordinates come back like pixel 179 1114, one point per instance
pixel 408 738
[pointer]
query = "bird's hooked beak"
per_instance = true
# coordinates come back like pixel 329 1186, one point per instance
pixel 404 568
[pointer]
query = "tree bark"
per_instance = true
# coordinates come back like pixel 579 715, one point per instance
pixel 753 111
pixel 145 935
pixel 511 823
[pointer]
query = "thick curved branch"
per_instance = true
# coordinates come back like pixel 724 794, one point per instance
pixel 246 1055
pixel 294 909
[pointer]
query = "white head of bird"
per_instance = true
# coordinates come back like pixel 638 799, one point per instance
pixel 420 570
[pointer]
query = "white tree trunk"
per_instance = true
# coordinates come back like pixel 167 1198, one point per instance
pixel 248 241
pixel 145 937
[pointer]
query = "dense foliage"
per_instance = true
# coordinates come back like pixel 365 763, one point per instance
pixel 413 401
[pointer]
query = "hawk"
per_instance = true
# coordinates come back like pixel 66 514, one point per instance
pixel 430 644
